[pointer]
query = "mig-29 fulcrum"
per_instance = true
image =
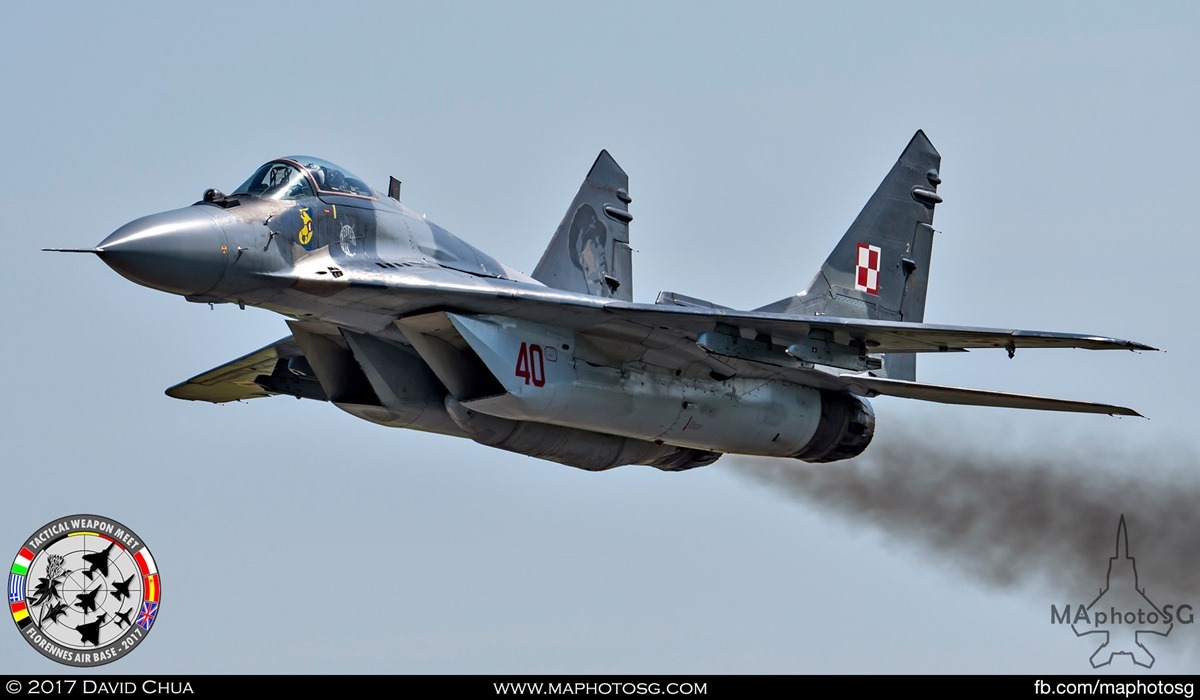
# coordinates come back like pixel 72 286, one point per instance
pixel 396 321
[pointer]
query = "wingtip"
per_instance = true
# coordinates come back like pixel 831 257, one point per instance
pixel 1119 411
pixel 176 391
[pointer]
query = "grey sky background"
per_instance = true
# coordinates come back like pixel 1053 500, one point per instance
pixel 293 538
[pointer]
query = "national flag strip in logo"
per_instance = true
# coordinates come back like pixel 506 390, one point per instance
pixel 101 535
pixel 145 562
pixel 20 615
pixel 151 588
pixel 146 616
pixel 16 588
pixel 21 563
pixel 149 571
pixel 866 270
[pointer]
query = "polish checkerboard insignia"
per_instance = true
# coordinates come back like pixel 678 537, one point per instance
pixel 84 590
pixel 866 272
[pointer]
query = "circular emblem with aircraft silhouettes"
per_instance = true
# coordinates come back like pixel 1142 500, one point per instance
pixel 84 590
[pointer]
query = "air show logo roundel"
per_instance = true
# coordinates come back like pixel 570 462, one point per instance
pixel 84 590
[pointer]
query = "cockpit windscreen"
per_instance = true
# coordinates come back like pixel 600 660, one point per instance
pixel 294 177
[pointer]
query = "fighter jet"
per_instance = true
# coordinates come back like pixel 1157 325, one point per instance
pixel 86 601
pixel 122 618
pixel 396 321
pixel 121 588
pixel 91 631
pixel 98 561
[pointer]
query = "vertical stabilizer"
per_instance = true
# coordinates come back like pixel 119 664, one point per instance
pixel 880 268
pixel 590 250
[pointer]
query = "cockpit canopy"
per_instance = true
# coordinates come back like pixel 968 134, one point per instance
pixel 296 177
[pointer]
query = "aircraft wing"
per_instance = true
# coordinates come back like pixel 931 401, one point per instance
pixel 816 351
pixel 795 333
pixel 877 336
pixel 810 350
pixel 236 380
pixel 685 320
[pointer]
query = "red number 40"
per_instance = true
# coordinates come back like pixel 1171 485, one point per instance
pixel 531 364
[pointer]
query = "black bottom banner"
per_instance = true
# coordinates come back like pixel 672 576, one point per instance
pixel 605 686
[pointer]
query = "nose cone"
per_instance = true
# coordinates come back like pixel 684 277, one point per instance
pixel 182 251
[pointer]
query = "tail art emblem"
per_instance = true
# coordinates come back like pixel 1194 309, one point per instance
pixel 866 277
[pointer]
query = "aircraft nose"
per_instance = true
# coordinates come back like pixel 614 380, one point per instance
pixel 184 251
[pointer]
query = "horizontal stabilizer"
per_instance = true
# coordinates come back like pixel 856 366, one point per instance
pixel 872 386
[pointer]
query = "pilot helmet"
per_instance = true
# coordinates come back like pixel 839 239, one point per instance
pixel 318 174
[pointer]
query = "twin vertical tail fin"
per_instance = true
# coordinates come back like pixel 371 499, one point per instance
pixel 590 251
pixel 880 268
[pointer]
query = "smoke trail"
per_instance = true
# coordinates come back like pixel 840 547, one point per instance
pixel 1048 518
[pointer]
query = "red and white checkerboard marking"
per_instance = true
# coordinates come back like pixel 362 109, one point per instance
pixel 866 272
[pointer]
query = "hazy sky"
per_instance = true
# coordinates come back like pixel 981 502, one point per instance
pixel 293 538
